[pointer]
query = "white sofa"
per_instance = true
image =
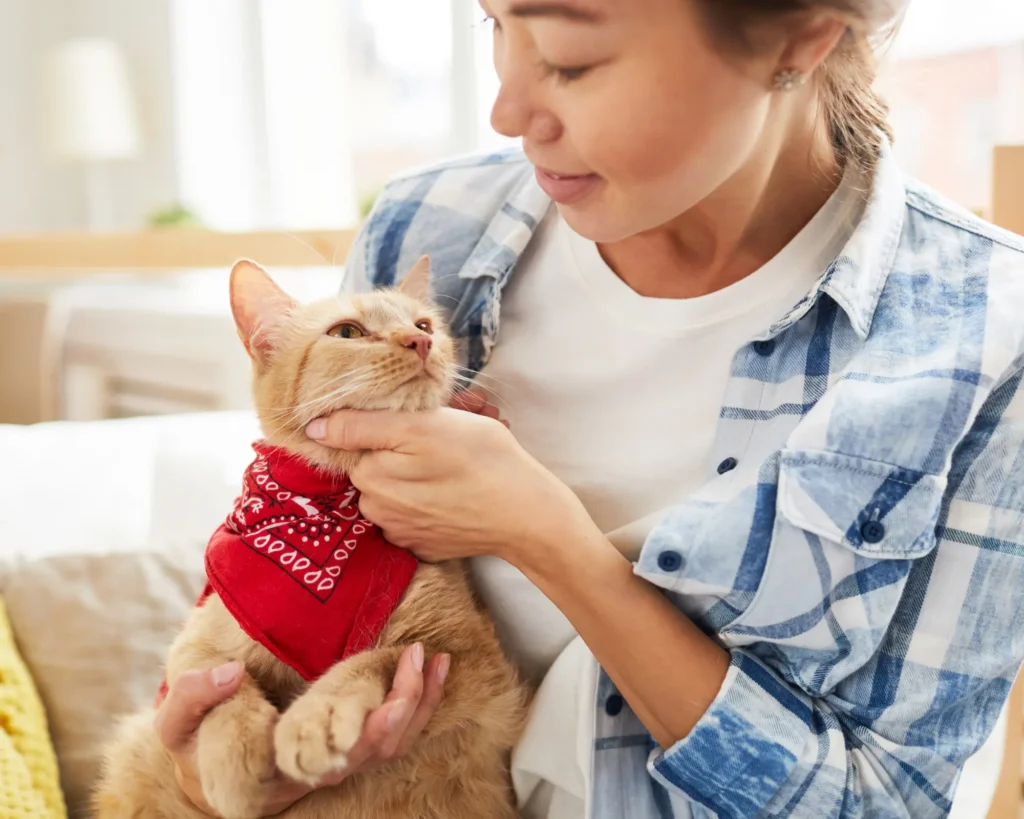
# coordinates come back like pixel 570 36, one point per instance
pixel 102 530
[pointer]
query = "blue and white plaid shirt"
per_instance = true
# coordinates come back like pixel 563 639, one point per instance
pixel 863 560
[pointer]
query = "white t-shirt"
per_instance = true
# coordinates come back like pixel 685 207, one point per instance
pixel 619 396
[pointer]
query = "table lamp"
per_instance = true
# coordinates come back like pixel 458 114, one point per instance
pixel 92 118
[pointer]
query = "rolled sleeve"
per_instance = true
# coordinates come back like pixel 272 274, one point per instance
pixel 746 746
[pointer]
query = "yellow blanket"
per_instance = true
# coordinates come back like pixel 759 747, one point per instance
pixel 29 784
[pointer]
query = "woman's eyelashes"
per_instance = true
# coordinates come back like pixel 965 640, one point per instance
pixel 563 74
pixel 566 73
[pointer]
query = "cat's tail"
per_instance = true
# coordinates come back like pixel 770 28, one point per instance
pixel 137 780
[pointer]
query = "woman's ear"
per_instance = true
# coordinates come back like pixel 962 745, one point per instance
pixel 811 44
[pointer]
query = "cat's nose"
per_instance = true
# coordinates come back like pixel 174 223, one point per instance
pixel 419 342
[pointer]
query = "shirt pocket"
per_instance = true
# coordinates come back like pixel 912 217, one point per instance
pixel 848 532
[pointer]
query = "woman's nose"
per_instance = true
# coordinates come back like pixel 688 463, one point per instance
pixel 516 112
pixel 517 118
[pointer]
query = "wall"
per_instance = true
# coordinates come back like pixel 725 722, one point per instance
pixel 949 111
pixel 37 194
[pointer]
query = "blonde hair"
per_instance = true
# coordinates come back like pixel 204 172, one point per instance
pixel 857 117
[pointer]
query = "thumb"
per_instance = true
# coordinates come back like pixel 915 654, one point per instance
pixel 193 695
pixel 357 430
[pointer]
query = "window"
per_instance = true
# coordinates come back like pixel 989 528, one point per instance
pixel 293 115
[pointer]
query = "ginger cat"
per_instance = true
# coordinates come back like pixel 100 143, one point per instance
pixel 385 350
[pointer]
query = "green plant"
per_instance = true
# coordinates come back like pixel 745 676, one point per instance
pixel 366 203
pixel 174 216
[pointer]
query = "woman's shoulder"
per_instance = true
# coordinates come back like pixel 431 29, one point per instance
pixel 935 214
pixel 955 267
pixel 949 310
pixel 450 211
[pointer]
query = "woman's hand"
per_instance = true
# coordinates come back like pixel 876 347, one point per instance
pixel 415 694
pixel 476 402
pixel 450 484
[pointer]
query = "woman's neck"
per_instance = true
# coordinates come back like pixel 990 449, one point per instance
pixel 740 227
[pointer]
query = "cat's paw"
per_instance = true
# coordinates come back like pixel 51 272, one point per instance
pixel 235 758
pixel 313 737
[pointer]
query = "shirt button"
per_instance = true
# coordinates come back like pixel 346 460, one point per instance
pixel 872 532
pixel 728 465
pixel 613 705
pixel 764 348
pixel 670 561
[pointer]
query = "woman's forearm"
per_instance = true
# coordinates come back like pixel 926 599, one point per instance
pixel 667 669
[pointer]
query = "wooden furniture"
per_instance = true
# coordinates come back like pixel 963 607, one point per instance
pixel 1008 187
pixel 27 360
pixel 111 348
pixel 168 249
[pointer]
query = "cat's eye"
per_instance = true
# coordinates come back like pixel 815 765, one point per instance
pixel 347 329
pixel 425 326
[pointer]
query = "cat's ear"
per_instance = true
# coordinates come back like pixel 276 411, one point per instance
pixel 259 307
pixel 417 281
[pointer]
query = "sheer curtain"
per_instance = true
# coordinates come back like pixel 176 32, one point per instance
pixel 293 115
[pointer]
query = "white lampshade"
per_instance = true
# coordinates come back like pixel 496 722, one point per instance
pixel 91 112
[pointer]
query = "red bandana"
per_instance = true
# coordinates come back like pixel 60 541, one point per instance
pixel 299 569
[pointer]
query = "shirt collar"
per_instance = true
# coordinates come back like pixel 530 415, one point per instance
pixel 855 280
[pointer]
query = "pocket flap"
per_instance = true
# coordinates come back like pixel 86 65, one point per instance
pixel 875 509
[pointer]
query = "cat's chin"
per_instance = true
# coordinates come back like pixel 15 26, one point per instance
pixel 338 461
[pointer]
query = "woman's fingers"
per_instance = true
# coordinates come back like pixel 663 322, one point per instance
pixel 433 691
pixel 385 726
pixel 193 695
pixel 402 702
pixel 476 402
pixel 391 730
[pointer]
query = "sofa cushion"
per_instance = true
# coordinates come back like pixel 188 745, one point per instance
pixel 101 545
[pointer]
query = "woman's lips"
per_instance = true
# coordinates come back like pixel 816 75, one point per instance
pixel 566 189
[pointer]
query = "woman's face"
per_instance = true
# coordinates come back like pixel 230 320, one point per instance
pixel 628 112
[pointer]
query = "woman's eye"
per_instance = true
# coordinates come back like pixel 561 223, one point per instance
pixel 346 330
pixel 425 326
pixel 567 74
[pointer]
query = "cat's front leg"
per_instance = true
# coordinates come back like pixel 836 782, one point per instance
pixel 235 753
pixel 315 734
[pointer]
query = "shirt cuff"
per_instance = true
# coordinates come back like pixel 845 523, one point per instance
pixel 744 748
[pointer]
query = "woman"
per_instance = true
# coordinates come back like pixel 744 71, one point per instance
pixel 767 428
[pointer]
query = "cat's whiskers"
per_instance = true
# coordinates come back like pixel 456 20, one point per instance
pixel 475 379
pixel 353 380
pixel 317 406
pixel 319 255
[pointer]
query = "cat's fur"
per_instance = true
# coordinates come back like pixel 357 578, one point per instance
pixel 458 769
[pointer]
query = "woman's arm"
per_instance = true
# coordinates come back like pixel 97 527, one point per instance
pixel 888 740
pixel 668 670
pixel 453 484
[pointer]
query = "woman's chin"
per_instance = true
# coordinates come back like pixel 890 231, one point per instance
pixel 597 222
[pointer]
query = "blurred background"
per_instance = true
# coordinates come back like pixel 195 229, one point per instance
pixel 146 143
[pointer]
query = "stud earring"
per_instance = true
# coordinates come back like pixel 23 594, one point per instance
pixel 788 79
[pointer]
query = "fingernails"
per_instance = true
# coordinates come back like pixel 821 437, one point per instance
pixel 396 714
pixel 226 674
pixel 317 430
pixel 417 656
pixel 444 666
